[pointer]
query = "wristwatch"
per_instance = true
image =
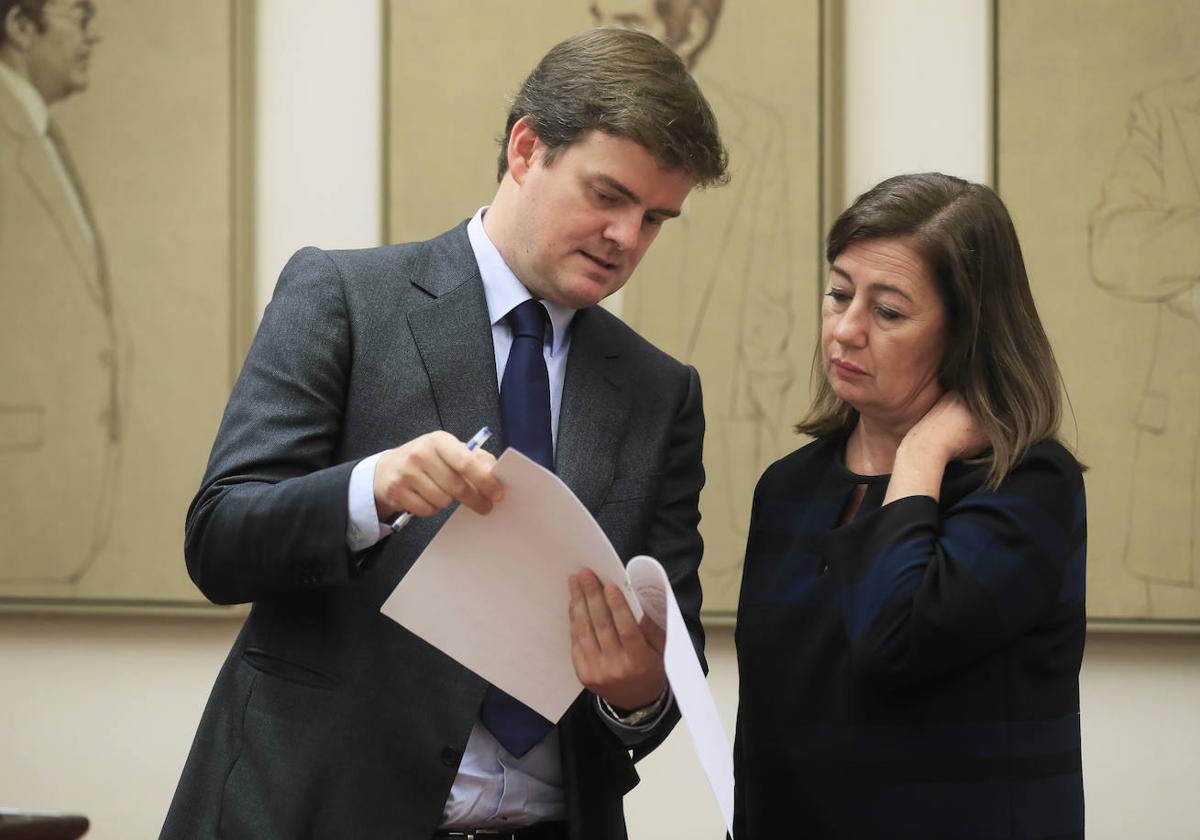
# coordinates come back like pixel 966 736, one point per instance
pixel 637 716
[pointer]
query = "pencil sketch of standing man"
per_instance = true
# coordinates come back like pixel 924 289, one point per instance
pixel 1145 246
pixel 59 426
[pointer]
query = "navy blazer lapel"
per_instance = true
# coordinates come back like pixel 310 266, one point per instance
pixel 453 334
pixel 594 411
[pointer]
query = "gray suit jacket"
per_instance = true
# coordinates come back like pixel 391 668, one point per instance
pixel 328 719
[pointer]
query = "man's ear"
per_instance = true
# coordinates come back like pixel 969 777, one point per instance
pixel 18 29
pixel 524 146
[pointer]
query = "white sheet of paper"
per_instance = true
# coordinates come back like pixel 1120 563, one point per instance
pixel 514 562
pixel 688 684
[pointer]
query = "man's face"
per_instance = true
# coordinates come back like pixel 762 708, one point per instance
pixel 585 220
pixel 58 58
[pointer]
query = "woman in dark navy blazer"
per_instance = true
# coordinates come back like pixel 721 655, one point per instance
pixel 911 622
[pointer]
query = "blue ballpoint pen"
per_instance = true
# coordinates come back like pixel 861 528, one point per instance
pixel 478 439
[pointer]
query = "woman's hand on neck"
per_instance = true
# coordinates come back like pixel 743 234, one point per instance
pixel 946 432
pixel 878 434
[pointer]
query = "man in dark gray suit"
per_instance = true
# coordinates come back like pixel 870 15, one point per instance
pixel 370 367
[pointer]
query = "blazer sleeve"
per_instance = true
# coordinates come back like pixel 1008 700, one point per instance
pixel 924 590
pixel 271 513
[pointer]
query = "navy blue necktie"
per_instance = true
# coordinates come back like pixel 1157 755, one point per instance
pixel 525 413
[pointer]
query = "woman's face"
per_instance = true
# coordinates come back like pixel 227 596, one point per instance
pixel 883 331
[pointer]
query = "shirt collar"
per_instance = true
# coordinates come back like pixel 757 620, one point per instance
pixel 28 96
pixel 503 290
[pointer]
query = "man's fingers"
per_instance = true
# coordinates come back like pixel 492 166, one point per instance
pixel 609 650
pixel 459 488
pixel 468 474
pixel 480 474
pixel 420 495
pixel 599 612
pixel 615 628
pixel 419 481
pixel 400 487
pixel 584 647
pixel 430 472
pixel 626 625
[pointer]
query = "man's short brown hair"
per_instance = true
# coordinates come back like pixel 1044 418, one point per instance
pixel 626 84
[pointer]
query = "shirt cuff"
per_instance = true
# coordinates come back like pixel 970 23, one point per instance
pixel 639 720
pixel 364 528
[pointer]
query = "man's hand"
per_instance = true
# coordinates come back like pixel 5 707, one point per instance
pixel 432 472
pixel 614 656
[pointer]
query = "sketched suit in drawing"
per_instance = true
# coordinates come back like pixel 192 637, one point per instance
pixel 1145 246
pixel 59 428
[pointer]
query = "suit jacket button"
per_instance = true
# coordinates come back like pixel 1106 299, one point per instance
pixel 451 757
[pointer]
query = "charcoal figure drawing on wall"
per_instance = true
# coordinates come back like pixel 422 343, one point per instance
pixel 60 429
pixel 1144 243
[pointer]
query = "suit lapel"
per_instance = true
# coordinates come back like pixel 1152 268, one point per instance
pixel 38 171
pixel 454 337
pixel 594 412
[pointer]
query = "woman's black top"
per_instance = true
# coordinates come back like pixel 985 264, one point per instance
pixel 913 673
